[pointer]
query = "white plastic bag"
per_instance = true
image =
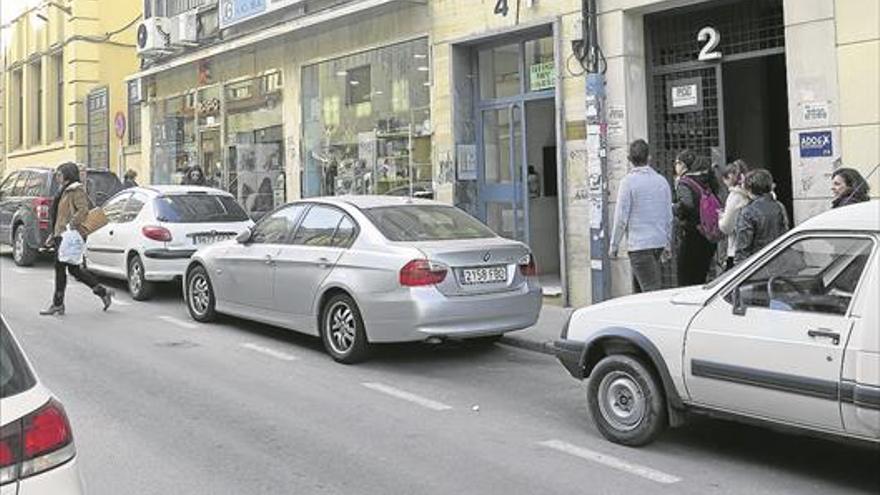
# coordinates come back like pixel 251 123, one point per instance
pixel 71 249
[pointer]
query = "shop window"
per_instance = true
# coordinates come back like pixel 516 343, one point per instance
pixel 174 139
pixel 372 137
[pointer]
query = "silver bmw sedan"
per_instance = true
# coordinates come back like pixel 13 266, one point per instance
pixel 359 270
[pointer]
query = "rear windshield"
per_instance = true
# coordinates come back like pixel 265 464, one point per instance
pixel 15 376
pixel 100 186
pixel 426 223
pixel 198 208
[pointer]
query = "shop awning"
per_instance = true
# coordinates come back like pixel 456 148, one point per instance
pixel 294 25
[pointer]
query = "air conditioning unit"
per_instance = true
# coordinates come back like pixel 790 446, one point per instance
pixel 154 36
pixel 187 33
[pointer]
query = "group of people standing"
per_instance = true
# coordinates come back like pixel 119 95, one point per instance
pixel 694 220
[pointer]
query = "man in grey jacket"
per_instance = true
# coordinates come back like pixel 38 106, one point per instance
pixel 644 213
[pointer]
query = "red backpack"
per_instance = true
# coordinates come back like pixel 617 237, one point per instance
pixel 708 208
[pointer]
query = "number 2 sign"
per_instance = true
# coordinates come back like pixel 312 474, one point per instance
pixel 711 38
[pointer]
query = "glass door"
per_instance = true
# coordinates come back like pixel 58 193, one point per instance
pixel 502 186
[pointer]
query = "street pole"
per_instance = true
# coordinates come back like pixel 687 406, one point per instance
pixel 593 62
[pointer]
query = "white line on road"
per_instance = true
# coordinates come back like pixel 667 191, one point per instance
pixel 400 394
pixel 612 462
pixel 120 302
pixel 269 352
pixel 178 322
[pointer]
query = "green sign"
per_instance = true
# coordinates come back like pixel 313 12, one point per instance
pixel 542 76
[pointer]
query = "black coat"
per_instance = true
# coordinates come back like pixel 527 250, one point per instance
pixel 759 223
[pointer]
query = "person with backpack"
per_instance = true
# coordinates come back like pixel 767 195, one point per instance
pixel 697 210
pixel 644 213
pixel 761 221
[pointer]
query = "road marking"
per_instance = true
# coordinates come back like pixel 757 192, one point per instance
pixel 269 352
pixel 120 302
pixel 20 271
pixel 400 394
pixel 178 322
pixel 612 462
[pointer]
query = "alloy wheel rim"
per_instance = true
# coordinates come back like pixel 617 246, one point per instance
pixel 18 250
pixel 622 401
pixel 199 295
pixel 136 279
pixel 340 327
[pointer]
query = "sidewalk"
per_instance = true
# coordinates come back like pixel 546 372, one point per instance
pixel 540 337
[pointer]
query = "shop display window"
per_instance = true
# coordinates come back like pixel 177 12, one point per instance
pixel 367 123
pixel 173 138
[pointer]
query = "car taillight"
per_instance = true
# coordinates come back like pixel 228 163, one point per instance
pixel 156 233
pixel 418 273
pixel 42 206
pixel 36 443
pixel 527 266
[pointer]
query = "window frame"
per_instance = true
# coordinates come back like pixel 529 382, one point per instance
pixel 127 194
pixel 756 265
pixel 344 214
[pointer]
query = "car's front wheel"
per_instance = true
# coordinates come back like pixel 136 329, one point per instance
pixel 342 330
pixel 22 253
pixel 626 401
pixel 138 286
pixel 200 298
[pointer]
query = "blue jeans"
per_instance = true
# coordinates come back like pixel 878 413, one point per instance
pixel 646 269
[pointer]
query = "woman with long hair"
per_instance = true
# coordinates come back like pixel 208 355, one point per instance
pixel 733 175
pixel 848 187
pixel 69 210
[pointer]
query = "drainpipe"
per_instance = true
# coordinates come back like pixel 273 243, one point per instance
pixel 593 62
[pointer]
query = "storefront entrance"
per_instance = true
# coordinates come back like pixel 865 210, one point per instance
pixel 516 142
pixel 717 86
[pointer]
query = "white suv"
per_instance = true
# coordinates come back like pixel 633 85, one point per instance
pixel 789 337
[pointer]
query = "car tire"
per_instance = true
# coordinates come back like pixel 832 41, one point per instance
pixel 200 299
pixel 22 254
pixel 138 286
pixel 626 401
pixel 342 330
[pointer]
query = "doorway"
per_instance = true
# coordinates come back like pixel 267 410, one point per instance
pixel 516 137
pixel 756 118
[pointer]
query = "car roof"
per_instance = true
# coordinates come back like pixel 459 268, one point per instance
pixel 184 189
pixel 364 202
pixel 860 216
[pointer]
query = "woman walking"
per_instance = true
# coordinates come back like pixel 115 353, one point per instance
pixel 695 251
pixel 733 175
pixel 70 208
pixel 848 187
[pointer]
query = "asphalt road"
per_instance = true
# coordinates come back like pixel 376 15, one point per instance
pixel 161 405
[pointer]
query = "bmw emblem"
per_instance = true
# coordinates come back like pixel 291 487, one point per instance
pixel 487 256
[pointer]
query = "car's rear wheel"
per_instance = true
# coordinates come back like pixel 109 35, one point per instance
pixel 138 286
pixel 200 298
pixel 342 330
pixel 626 400
pixel 22 253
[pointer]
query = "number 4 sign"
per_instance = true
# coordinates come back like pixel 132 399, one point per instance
pixel 501 8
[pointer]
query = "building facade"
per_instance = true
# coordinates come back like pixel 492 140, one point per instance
pixel 63 81
pixel 484 105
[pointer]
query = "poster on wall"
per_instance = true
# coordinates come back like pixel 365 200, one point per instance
pixel 466 162
pixel 815 144
pixel 542 76
pixel 684 95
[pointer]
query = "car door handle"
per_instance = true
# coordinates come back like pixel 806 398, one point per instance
pixel 269 260
pixel 824 333
pixel 323 262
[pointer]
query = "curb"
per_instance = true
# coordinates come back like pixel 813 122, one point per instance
pixel 546 347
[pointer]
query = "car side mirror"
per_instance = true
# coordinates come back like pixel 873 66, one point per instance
pixel 739 308
pixel 245 236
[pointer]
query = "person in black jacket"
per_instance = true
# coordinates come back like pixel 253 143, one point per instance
pixel 762 220
pixel 695 252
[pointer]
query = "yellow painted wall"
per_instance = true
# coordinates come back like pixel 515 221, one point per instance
pixel 858 59
pixel 88 64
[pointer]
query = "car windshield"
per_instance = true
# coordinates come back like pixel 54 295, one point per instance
pixel 15 376
pixel 426 223
pixel 101 185
pixel 198 208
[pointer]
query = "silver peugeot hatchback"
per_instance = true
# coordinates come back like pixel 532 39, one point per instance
pixel 359 270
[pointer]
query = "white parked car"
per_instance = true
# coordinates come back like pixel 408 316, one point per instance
pixel 37 453
pixel 790 337
pixel 153 231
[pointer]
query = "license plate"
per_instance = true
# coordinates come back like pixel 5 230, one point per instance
pixel 209 238
pixel 485 275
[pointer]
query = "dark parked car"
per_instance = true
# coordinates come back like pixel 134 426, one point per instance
pixel 26 202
